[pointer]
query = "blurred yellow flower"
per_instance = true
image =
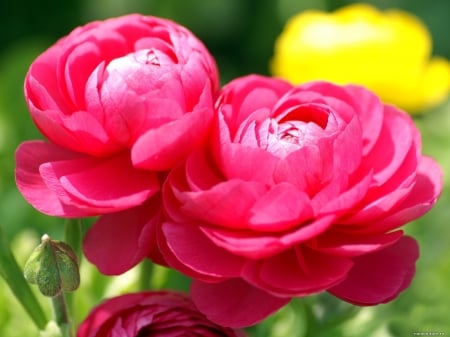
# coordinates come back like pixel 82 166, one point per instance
pixel 388 52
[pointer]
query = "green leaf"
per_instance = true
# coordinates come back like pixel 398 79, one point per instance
pixel 13 275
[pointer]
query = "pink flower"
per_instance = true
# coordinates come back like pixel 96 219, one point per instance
pixel 119 101
pixel 158 314
pixel 300 190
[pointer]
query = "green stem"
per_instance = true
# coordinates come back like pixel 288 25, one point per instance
pixel 62 315
pixel 13 275
pixel 72 235
pixel 145 276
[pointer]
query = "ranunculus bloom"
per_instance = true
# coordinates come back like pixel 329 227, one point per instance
pixel 155 314
pixel 300 190
pixel 118 101
pixel 388 52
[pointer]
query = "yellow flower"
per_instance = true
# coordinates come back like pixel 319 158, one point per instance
pixel 388 52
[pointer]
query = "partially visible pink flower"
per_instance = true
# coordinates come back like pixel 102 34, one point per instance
pixel 118 101
pixel 155 314
pixel 300 190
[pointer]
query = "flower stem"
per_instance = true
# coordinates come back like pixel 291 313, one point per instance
pixel 62 315
pixel 145 274
pixel 13 275
pixel 72 235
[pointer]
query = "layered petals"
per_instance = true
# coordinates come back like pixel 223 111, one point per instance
pixel 120 101
pixel 148 313
pixel 59 182
pixel 300 190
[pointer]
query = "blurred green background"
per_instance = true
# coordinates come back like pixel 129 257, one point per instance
pixel 240 34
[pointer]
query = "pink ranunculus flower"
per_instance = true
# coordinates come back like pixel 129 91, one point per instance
pixel 119 101
pixel 300 190
pixel 156 314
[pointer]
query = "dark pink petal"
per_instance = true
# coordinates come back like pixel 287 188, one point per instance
pixel 187 249
pixel 297 272
pixel 117 242
pixel 243 162
pixel 348 244
pixel 422 197
pixel 379 277
pixel 397 136
pixel 201 173
pixel 332 199
pixel 257 245
pixel 226 204
pixel 108 309
pixel 89 135
pixel 236 93
pixel 29 157
pixel 164 147
pixel 93 182
pixel 282 207
pixel 80 62
pixel 78 132
pixel 41 97
pixel 309 168
pixel 234 303
pixel 370 112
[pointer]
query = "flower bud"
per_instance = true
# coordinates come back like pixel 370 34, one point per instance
pixel 53 266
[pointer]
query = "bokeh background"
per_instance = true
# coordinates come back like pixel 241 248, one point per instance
pixel 240 34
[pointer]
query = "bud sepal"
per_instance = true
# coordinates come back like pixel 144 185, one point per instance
pixel 53 267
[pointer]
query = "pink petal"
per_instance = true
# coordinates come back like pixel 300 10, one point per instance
pixel 109 183
pixel 380 200
pixel 201 174
pixel 256 245
pixel 370 112
pixel 226 204
pixel 282 207
pixel 379 277
pixel 393 146
pixel 297 272
pixel 164 147
pixel 345 244
pixel 79 132
pixel 187 249
pixel 29 157
pixel 80 62
pixel 118 241
pixel 234 303
pixel 108 309
pixel 420 200
pixel 243 162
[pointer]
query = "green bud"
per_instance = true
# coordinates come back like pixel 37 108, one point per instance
pixel 53 266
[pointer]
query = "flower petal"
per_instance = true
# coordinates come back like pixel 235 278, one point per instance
pixel 234 303
pixel 380 276
pixel 93 182
pixel 297 272
pixel 280 208
pixel 118 241
pixel 164 147
pixel 189 250
pixel 29 157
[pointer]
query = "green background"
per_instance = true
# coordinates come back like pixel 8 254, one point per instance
pixel 240 34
